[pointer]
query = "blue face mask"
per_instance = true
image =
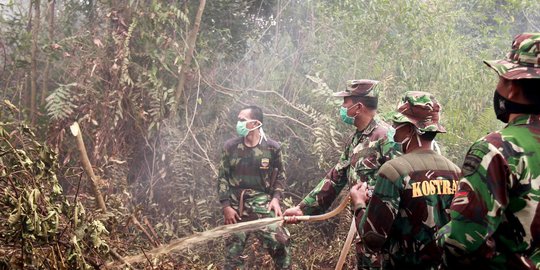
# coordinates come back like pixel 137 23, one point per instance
pixel 344 117
pixel 241 128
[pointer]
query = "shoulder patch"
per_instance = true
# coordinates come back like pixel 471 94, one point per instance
pixel 474 157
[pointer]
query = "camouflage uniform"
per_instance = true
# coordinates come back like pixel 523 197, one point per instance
pixel 495 213
pixel 359 162
pixel 248 172
pixel 411 196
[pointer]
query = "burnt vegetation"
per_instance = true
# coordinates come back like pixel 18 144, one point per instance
pixel 154 87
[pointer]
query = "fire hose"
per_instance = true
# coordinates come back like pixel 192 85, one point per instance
pixel 219 231
pixel 334 212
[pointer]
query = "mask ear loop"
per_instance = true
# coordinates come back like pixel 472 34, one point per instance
pixel 261 131
pixel 263 135
pixel 252 129
pixel 418 133
pixel 353 106
pixel 357 103
pixel 408 140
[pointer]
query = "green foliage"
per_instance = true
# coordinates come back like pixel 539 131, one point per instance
pixel 230 25
pixel 36 216
pixel 115 67
pixel 27 169
pixel 29 205
pixel 61 102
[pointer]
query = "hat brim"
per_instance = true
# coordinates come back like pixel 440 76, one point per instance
pixel 513 71
pixel 398 117
pixel 342 94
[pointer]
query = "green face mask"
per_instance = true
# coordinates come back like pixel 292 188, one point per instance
pixel 241 128
pixel 390 134
pixel 344 117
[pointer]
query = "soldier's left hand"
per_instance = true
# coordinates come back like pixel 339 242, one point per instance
pixel 274 205
pixel 359 194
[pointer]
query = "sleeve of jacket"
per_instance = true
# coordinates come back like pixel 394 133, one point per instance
pixel 478 205
pixel 326 191
pixel 374 225
pixel 279 183
pixel 224 175
pixel 367 166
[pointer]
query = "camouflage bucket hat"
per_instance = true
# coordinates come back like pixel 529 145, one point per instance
pixel 362 88
pixel 523 61
pixel 420 109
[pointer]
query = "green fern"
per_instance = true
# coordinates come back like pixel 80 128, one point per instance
pixel 60 103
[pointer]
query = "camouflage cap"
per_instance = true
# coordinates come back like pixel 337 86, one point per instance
pixel 420 109
pixel 523 61
pixel 362 88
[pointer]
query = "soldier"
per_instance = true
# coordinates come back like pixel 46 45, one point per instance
pixel 363 155
pixel 250 186
pixel 412 192
pixel 495 215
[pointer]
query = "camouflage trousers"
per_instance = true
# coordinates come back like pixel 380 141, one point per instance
pixel 365 260
pixel 275 238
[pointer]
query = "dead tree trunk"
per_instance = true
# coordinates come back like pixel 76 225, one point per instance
pixel 100 203
pixel 45 80
pixel 192 38
pixel 33 72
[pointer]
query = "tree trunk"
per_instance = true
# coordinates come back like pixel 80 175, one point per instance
pixel 189 55
pixel 45 81
pixel 76 131
pixel 25 91
pixel 33 72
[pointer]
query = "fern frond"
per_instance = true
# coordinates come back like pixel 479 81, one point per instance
pixel 125 78
pixel 60 103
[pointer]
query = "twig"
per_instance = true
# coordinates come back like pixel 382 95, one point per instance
pixel 120 258
pixel 147 259
pixel 61 257
pixel 75 207
pixel 214 170
pixel 5 59
pixel 147 223
pixel 138 224
pixel 289 118
pixel 190 123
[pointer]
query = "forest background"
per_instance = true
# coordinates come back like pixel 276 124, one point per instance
pixel 155 87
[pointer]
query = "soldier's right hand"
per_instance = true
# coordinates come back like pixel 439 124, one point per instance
pixel 231 216
pixel 289 216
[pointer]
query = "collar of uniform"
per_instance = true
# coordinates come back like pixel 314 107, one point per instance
pixel 525 119
pixel 370 127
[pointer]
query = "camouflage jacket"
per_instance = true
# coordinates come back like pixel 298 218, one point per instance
pixel 250 169
pixel 495 213
pixel 409 204
pixel 362 157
